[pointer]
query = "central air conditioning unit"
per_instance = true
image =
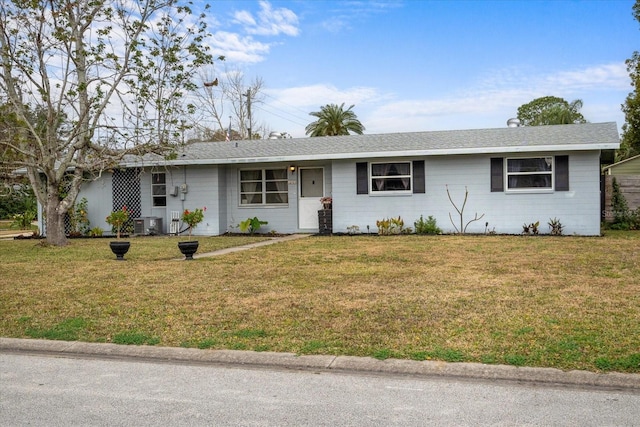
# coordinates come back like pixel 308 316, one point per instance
pixel 148 226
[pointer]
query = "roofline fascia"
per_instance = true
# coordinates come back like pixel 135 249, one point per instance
pixel 377 154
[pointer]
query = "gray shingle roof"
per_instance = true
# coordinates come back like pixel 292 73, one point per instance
pixel 588 136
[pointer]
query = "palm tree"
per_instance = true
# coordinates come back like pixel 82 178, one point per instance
pixel 564 114
pixel 334 120
pixel 550 110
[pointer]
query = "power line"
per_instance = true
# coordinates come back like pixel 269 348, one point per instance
pixel 288 105
pixel 261 107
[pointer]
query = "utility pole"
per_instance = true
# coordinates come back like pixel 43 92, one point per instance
pixel 248 95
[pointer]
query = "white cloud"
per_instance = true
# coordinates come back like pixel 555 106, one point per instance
pixel 269 22
pixel 315 96
pixel 492 102
pixel 599 77
pixel 238 49
pixel 342 14
pixel 489 103
pixel 603 77
pixel 245 18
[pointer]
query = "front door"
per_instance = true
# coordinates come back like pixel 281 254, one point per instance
pixel 311 191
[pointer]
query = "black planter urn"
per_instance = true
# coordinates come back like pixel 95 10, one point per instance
pixel 119 249
pixel 188 249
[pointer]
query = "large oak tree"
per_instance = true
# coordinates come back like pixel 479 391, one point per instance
pixel 108 76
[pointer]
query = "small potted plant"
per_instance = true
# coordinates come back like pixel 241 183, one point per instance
pixel 326 202
pixel 192 219
pixel 117 219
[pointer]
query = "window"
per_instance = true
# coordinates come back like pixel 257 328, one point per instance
pixel 394 177
pixel 159 189
pixel 264 187
pixel 533 173
pixel 530 173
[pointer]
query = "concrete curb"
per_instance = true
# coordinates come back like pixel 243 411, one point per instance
pixel 549 376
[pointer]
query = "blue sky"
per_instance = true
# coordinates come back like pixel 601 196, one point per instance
pixel 427 65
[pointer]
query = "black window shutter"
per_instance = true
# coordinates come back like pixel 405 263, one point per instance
pixel 497 171
pixel 362 178
pixel 418 176
pixel 562 173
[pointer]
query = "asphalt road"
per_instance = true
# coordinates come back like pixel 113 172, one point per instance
pixel 62 390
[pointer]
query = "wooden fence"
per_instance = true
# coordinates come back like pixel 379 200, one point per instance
pixel 630 189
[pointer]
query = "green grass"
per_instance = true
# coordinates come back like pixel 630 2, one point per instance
pixel 564 302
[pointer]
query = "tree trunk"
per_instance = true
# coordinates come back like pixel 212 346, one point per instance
pixel 55 221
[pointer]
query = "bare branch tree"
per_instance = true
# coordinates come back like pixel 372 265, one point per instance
pixel 225 101
pixel 463 227
pixel 239 96
pixel 90 82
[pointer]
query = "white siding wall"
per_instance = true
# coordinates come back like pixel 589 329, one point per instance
pixel 577 209
pixel 216 187
pixel 202 185
pixel 282 219
pixel 99 200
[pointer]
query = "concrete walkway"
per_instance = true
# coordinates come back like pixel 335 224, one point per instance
pixel 413 368
pixel 251 246
pixel 11 234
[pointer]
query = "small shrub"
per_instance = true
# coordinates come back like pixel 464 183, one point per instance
pixel 251 225
pixel 531 228
pixel 96 232
pixel 79 218
pixel 556 227
pixel 620 207
pixel 23 221
pixel 389 226
pixel 427 226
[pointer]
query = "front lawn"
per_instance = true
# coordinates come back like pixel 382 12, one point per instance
pixel 564 302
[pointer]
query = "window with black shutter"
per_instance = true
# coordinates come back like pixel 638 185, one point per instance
pixel 418 177
pixel 562 173
pixel 497 170
pixel 362 178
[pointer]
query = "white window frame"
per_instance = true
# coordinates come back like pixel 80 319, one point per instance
pixel 263 184
pixel 550 173
pixel 372 186
pixel 155 186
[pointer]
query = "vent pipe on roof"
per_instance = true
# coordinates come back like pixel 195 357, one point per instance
pixel 279 135
pixel 513 123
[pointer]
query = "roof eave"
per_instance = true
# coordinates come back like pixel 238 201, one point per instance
pixel 378 154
